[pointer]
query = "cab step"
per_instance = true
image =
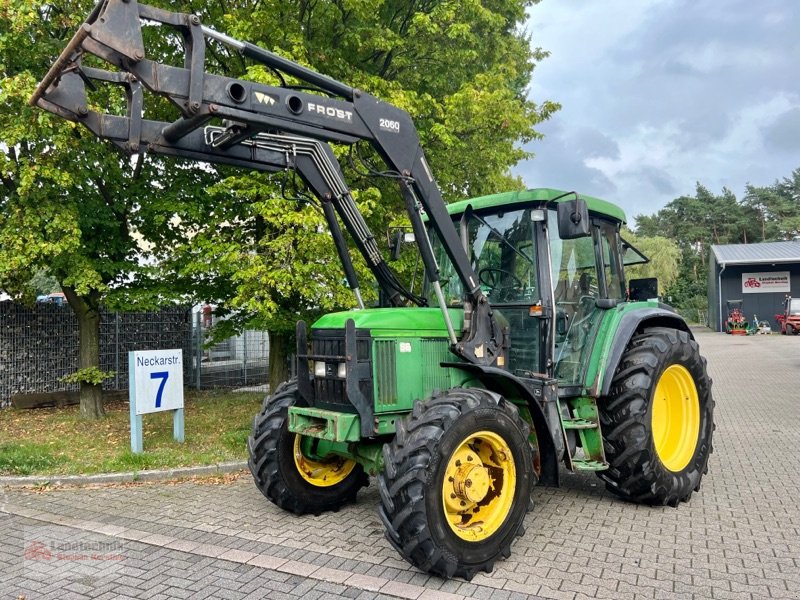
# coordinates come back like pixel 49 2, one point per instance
pixel 578 424
pixel 580 464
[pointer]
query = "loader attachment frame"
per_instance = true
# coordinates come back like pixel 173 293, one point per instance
pixel 267 128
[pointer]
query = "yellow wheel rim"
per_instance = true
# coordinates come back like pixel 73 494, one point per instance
pixel 325 473
pixel 676 418
pixel 478 486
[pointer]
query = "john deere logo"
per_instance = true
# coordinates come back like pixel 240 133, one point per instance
pixel 264 98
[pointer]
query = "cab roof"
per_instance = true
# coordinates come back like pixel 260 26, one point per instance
pixel 596 205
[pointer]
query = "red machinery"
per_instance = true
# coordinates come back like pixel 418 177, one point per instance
pixel 789 321
pixel 736 323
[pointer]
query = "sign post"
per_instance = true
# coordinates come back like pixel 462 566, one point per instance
pixel 155 384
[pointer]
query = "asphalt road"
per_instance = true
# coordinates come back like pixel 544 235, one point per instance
pixel 738 538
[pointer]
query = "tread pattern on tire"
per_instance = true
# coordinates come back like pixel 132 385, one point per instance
pixel 409 462
pixel 272 468
pixel 636 473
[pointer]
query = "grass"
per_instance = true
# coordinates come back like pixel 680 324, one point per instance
pixel 55 441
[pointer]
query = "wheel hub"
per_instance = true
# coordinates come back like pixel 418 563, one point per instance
pixel 471 483
pixel 479 485
pixel 323 472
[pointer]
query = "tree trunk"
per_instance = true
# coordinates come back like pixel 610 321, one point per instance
pixel 87 311
pixel 280 346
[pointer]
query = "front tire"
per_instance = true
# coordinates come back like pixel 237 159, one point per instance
pixel 457 482
pixel 288 478
pixel 658 419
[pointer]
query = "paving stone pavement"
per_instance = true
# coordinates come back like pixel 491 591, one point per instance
pixel 738 538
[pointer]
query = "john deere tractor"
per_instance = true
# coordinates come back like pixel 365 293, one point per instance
pixel 525 350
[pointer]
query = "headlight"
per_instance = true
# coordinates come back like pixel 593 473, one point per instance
pixel 319 369
pixel 341 371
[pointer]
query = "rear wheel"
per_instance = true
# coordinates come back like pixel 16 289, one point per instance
pixel 287 473
pixel 457 482
pixel 658 419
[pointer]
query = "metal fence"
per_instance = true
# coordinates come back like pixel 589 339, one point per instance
pixel 241 361
pixel 39 346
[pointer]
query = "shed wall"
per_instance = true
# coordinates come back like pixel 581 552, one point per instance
pixel 766 306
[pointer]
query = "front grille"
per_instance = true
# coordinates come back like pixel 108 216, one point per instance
pixel 330 391
pixel 386 371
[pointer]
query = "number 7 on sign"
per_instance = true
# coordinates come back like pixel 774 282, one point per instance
pixel 162 375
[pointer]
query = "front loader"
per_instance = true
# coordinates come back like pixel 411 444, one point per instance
pixel 522 353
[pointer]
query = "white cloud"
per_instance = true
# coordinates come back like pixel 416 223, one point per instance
pixel 660 94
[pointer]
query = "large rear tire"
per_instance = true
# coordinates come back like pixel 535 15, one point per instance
pixel 456 483
pixel 658 419
pixel 288 478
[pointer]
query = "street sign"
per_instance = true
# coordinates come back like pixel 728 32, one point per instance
pixel 155 384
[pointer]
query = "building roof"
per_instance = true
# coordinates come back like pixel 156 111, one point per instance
pixel 754 254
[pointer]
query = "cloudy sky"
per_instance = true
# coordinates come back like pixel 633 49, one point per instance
pixel 659 94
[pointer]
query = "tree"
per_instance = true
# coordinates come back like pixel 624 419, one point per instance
pixel 776 208
pixel 461 69
pixel 70 205
pixel 664 256
pixel 123 231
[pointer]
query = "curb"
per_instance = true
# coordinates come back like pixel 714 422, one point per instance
pixel 126 477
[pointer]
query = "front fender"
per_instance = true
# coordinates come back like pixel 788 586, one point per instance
pixel 510 386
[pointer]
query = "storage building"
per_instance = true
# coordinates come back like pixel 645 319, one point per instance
pixel 761 275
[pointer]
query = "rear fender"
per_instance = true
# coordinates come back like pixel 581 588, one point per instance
pixel 630 324
pixel 534 397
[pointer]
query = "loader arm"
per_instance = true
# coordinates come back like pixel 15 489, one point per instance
pixel 266 128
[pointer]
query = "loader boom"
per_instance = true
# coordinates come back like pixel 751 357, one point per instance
pixel 268 128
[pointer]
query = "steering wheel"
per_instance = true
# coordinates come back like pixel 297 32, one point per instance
pixel 492 277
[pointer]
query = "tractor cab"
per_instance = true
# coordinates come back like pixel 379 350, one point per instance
pixel 547 287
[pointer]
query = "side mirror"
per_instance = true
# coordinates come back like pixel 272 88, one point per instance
pixel 643 289
pixel 573 219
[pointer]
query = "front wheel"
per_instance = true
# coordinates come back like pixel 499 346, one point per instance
pixel 658 419
pixel 287 473
pixel 457 482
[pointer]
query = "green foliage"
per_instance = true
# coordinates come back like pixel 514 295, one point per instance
pixel 695 223
pixel 42 283
pixel 91 375
pixel 664 256
pixel 459 67
pixel 133 233
pixel 775 208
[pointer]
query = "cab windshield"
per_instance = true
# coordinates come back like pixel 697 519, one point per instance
pixel 502 251
pixel 794 306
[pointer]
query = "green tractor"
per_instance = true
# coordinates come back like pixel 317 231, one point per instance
pixel 524 350
pixel 585 377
